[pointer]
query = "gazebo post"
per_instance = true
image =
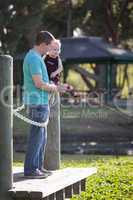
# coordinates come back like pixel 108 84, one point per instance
pixel 108 83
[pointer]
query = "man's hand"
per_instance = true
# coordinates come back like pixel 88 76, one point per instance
pixel 53 74
pixel 68 87
pixel 61 88
pixel 40 84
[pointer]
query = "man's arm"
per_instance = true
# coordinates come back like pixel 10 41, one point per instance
pixel 40 84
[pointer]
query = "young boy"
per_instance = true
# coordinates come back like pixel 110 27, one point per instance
pixel 53 62
pixel 54 65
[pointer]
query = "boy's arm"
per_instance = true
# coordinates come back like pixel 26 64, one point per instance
pixel 59 70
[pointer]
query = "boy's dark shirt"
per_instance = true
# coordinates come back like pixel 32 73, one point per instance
pixel 52 65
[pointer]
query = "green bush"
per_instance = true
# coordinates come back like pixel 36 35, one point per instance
pixel 113 181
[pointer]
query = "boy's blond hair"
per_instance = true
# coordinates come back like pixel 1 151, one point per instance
pixel 57 41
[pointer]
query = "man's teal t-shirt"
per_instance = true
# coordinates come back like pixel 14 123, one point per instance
pixel 34 65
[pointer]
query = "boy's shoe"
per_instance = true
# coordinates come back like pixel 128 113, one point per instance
pixel 36 175
pixel 45 171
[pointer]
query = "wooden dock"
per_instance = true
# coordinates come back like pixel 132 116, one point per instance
pixel 62 184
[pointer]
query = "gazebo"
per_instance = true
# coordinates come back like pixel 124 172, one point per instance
pixel 95 50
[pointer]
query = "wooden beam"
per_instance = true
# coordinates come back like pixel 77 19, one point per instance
pixel 77 187
pixel 52 197
pixel 83 184
pixel 69 191
pixel 52 155
pixel 37 195
pixel 60 195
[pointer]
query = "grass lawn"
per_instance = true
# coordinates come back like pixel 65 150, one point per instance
pixel 113 181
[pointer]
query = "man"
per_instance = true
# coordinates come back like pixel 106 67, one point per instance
pixel 36 89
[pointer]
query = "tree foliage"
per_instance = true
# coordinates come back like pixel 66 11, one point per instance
pixel 19 20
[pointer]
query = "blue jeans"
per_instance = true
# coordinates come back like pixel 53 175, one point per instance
pixel 37 139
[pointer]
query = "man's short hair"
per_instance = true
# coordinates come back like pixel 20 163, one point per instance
pixel 44 37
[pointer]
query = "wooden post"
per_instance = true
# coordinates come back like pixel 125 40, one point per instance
pixel 77 188
pixel 60 195
pixel 69 191
pixel 6 102
pixel 52 197
pixel 52 155
pixel 83 184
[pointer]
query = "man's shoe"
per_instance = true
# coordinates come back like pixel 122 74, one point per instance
pixel 45 171
pixel 36 175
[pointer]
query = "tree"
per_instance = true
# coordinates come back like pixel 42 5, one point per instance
pixel 110 19
pixel 18 20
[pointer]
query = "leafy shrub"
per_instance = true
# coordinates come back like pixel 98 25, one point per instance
pixel 113 181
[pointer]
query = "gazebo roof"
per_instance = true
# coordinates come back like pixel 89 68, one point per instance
pixel 94 50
